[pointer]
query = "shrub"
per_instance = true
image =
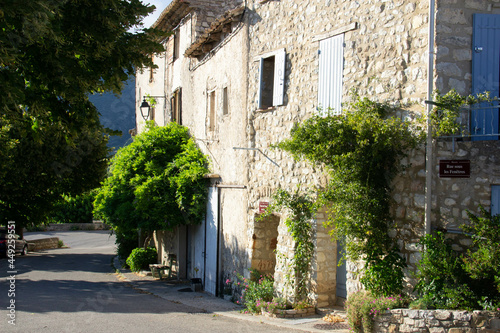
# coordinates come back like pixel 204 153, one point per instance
pixel 76 209
pixel 125 242
pixel 384 275
pixel 155 183
pixel 451 280
pixel 257 292
pixel 362 307
pixel 443 282
pixel 485 261
pixel 141 258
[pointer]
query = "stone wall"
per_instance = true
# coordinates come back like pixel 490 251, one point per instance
pixel 437 321
pixel 453 196
pixel 265 239
pixel 384 59
pixel 43 244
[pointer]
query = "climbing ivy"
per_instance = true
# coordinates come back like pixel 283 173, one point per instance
pixel 300 212
pixel 361 151
pixel 445 116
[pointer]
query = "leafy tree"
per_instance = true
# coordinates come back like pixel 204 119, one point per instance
pixel 155 183
pixel 53 53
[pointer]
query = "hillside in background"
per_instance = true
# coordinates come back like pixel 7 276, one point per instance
pixel 117 113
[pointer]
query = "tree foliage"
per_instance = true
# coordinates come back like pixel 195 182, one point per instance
pixel 155 183
pixel 53 53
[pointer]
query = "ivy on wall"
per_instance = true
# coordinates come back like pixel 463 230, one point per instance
pixel 361 151
pixel 301 210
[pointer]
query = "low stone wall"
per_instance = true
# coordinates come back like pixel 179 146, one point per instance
pixel 437 321
pixel 292 313
pixel 96 225
pixel 43 244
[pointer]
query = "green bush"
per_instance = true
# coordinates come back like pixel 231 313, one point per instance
pixel 484 262
pixel 125 243
pixel 384 275
pixel 141 258
pixel 257 292
pixel 465 281
pixel 77 209
pixel 442 280
pixel 362 307
pixel 155 183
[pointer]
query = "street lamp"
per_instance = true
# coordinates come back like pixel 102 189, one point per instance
pixel 145 109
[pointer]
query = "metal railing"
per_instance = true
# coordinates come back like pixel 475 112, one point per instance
pixel 477 123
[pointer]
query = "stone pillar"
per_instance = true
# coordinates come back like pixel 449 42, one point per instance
pixel 324 265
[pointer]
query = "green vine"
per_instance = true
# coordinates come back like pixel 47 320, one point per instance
pixel 446 112
pixel 362 152
pixel 301 212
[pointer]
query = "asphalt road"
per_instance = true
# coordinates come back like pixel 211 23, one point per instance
pixel 75 290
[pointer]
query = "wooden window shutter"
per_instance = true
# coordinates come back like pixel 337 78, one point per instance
pixel 279 78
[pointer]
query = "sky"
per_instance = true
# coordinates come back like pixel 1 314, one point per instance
pixel 160 6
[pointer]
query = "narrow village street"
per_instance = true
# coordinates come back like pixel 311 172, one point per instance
pixel 74 289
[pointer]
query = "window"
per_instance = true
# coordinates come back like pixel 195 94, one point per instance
pixel 495 200
pixel 176 45
pixel 211 111
pixel 151 71
pixel 485 74
pixel 225 102
pixel 331 68
pixel 175 107
pixel 272 79
pixel 173 48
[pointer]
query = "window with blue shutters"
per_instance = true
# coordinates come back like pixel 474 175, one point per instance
pixel 485 75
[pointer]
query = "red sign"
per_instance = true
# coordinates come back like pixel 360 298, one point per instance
pixel 262 206
pixel 454 168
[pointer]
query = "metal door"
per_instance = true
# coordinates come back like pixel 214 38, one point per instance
pixel 197 267
pixel 495 200
pixel 485 73
pixel 341 288
pixel 211 245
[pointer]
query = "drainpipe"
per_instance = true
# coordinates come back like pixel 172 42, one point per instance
pixel 430 87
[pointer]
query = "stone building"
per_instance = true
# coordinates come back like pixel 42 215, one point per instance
pixel 260 66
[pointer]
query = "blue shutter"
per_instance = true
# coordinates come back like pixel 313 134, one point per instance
pixel 485 73
pixel 331 68
pixel 495 199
